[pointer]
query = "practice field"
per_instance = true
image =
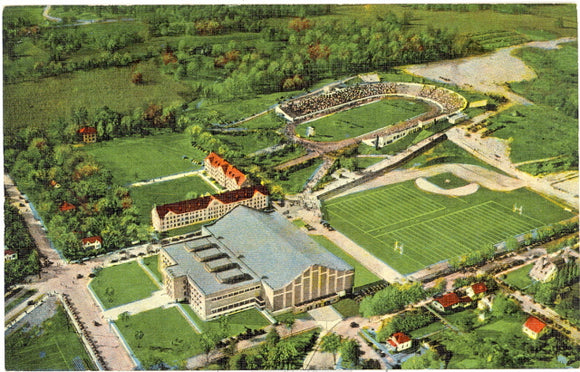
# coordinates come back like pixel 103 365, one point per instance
pixel 135 159
pixel 51 346
pixel 364 119
pixel 432 228
pixel 167 192
pixel 122 284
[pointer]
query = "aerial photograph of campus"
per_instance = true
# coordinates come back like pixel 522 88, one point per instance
pixel 291 186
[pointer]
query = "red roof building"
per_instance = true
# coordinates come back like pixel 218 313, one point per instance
pixel 447 301
pixel 89 134
pixel 188 212
pixel 10 255
pixel 479 288
pixel 66 206
pixel 224 173
pixel 94 242
pixel 533 327
pixel 400 341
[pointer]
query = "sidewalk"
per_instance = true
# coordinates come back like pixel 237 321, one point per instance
pixel 157 299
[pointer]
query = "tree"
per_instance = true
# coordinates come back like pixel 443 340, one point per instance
pixel 330 343
pixel 137 78
pixel 428 360
pixel 139 336
pixel 272 338
pixel 350 351
pixel 207 343
pixel 110 293
pixel 289 322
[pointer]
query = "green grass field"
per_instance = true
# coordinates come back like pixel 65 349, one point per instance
pixel 152 262
pixel 519 278
pixel 251 142
pixel 433 228
pixel 128 281
pixel 92 89
pixel 297 179
pixel 236 323
pixel 51 346
pixel 362 275
pixel 167 336
pixel 364 119
pixel 133 159
pixel 447 181
pixel 167 192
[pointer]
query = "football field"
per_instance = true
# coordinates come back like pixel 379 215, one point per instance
pixel 409 229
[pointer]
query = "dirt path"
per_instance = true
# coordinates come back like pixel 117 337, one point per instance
pixel 488 73
pixel 471 173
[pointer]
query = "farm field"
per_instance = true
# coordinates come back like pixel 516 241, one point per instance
pixel 364 119
pixel 121 284
pixel 167 337
pixel 51 346
pixel 431 227
pixel 166 192
pixel 92 89
pixel 133 159
pixel 362 275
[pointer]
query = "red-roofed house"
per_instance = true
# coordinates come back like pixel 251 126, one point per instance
pixel 533 327
pixel 89 134
pixel 10 255
pixel 224 173
pixel 476 290
pixel 188 212
pixel 66 206
pixel 446 302
pixel 94 242
pixel 400 341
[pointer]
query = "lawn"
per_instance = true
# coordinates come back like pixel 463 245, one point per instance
pixel 347 307
pixel 152 262
pixel 166 192
pixel 250 142
pixel 446 153
pixel 519 278
pixel 423 331
pixel 266 121
pixel 553 120
pixel 362 163
pixel 128 281
pixel 236 323
pixel 362 275
pixel 433 228
pixel 133 159
pixel 297 179
pixel 92 89
pixel 50 346
pixel 364 119
pixel 167 336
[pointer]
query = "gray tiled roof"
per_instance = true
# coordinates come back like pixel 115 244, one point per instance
pixel 207 282
pixel 270 245
pixel 263 245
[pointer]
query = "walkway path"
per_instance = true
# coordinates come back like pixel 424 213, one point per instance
pixel 158 299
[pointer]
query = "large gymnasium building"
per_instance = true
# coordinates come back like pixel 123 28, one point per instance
pixel 252 258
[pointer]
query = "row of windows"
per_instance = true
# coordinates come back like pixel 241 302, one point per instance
pixel 232 306
pixel 236 293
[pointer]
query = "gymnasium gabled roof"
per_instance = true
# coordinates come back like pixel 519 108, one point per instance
pixel 270 245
